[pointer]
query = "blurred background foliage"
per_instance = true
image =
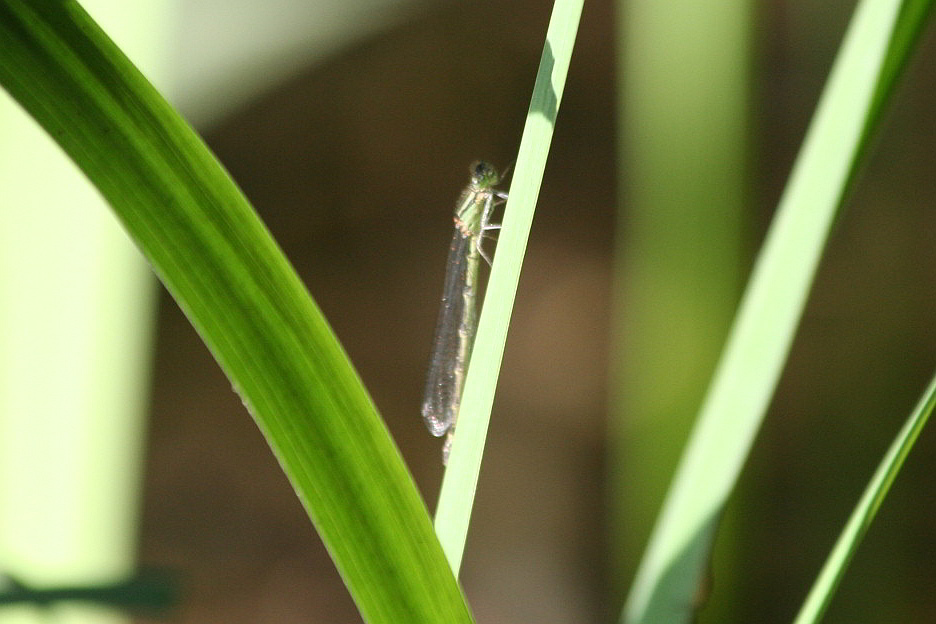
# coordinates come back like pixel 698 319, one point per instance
pixel 350 126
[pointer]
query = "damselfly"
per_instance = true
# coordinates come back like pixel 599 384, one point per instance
pixel 458 317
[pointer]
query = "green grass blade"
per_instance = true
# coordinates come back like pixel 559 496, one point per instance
pixel 871 57
pixel 680 246
pixel 847 543
pixel 461 477
pixel 248 305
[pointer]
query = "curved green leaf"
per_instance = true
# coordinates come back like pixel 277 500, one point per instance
pixel 225 271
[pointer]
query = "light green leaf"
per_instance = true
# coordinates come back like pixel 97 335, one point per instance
pixel 841 555
pixel 461 476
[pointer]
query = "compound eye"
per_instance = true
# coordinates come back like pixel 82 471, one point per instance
pixel 483 172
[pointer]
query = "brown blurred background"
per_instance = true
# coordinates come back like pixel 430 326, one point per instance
pixel 354 165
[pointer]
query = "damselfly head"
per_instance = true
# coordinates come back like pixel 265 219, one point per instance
pixel 483 174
